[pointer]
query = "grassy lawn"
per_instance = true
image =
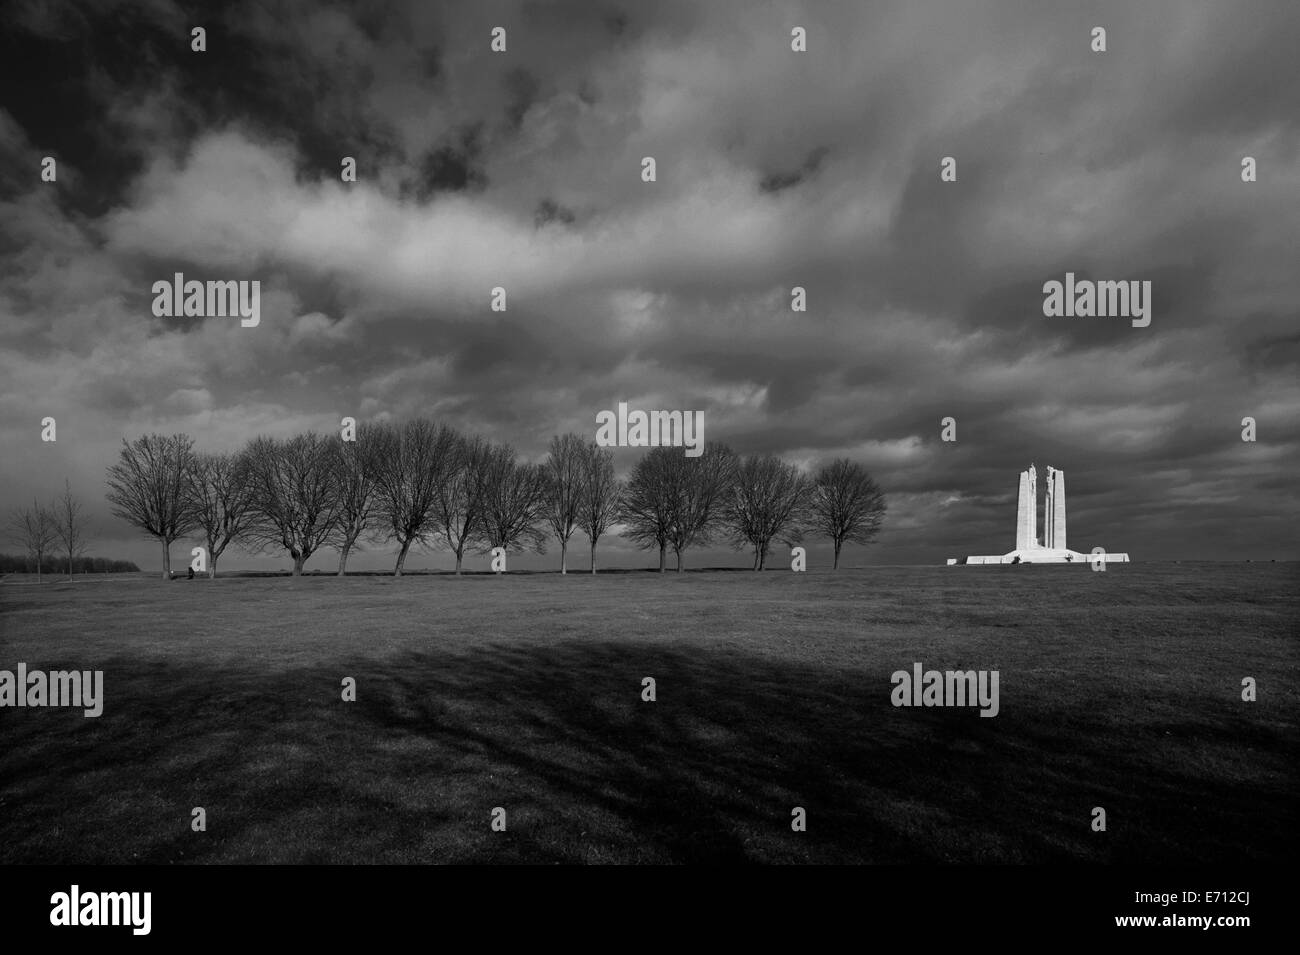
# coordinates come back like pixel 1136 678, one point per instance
pixel 1119 689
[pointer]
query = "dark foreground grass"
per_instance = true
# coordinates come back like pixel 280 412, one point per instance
pixel 1118 689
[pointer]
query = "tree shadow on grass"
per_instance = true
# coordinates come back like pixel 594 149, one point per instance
pixel 558 735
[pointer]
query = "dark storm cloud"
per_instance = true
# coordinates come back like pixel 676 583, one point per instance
pixel 1277 352
pixel 451 167
pixel 523 90
pixel 776 169
pixel 548 210
pixel 785 180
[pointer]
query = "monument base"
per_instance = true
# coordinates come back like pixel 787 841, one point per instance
pixel 1043 555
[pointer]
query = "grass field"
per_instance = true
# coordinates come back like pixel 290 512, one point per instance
pixel 1119 689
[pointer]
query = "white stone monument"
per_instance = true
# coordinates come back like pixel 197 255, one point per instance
pixel 1051 547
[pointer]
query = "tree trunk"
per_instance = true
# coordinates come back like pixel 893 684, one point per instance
pixel 836 564
pixel 679 560
pixel 593 557
pixel 663 557
pixel 564 557
pixel 298 561
pixel 401 558
pixel 343 560
pixel 460 556
pixel 212 568
pixel 167 560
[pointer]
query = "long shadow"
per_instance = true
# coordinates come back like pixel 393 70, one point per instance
pixel 558 735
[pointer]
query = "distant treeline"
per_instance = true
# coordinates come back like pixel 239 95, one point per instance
pixel 421 483
pixel 17 564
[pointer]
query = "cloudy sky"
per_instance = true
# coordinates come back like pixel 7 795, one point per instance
pixel 821 169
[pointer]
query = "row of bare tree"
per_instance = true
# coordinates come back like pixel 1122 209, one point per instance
pixel 421 483
pixel 418 483
pixel 57 529
pixel 674 502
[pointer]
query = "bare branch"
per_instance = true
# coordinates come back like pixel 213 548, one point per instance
pixel 846 505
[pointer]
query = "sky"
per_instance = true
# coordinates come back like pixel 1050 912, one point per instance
pixel 774 169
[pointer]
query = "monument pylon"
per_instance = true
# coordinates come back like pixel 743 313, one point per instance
pixel 1054 511
pixel 1027 510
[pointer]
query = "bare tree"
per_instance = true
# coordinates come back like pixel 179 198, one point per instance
pixel 514 503
pixel 767 503
pixel 566 473
pixel 220 495
pixel 147 488
pixel 412 463
pixel 33 529
pixel 649 505
pixel 356 474
pixel 602 494
pixel 700 487
pixel 69 525
pixel 294 495
pixel 846 505
pixel 458 509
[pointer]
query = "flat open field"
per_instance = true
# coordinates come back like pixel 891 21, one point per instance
pixel 1119 689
